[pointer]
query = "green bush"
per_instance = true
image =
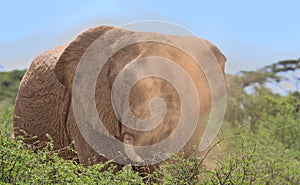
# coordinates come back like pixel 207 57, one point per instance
pixel 249 159
pixel 253 159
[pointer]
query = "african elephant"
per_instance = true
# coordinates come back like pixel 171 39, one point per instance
pixel 46 104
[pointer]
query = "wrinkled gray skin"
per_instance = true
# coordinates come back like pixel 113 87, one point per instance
pixel 43 105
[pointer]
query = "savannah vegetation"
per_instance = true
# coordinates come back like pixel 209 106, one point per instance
pixel 260 140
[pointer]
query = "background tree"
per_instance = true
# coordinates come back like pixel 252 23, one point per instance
pixel 248 90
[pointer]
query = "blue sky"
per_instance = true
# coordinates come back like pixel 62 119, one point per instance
pixel 250 33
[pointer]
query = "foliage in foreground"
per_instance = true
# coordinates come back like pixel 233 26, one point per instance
pixel 251 160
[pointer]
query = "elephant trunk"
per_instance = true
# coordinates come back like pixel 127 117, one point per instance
pixel 129 149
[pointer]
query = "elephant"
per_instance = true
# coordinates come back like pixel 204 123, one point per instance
pixel 46 102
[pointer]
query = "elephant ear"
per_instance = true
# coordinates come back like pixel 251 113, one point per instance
pixel 217 53
pixel 70 58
